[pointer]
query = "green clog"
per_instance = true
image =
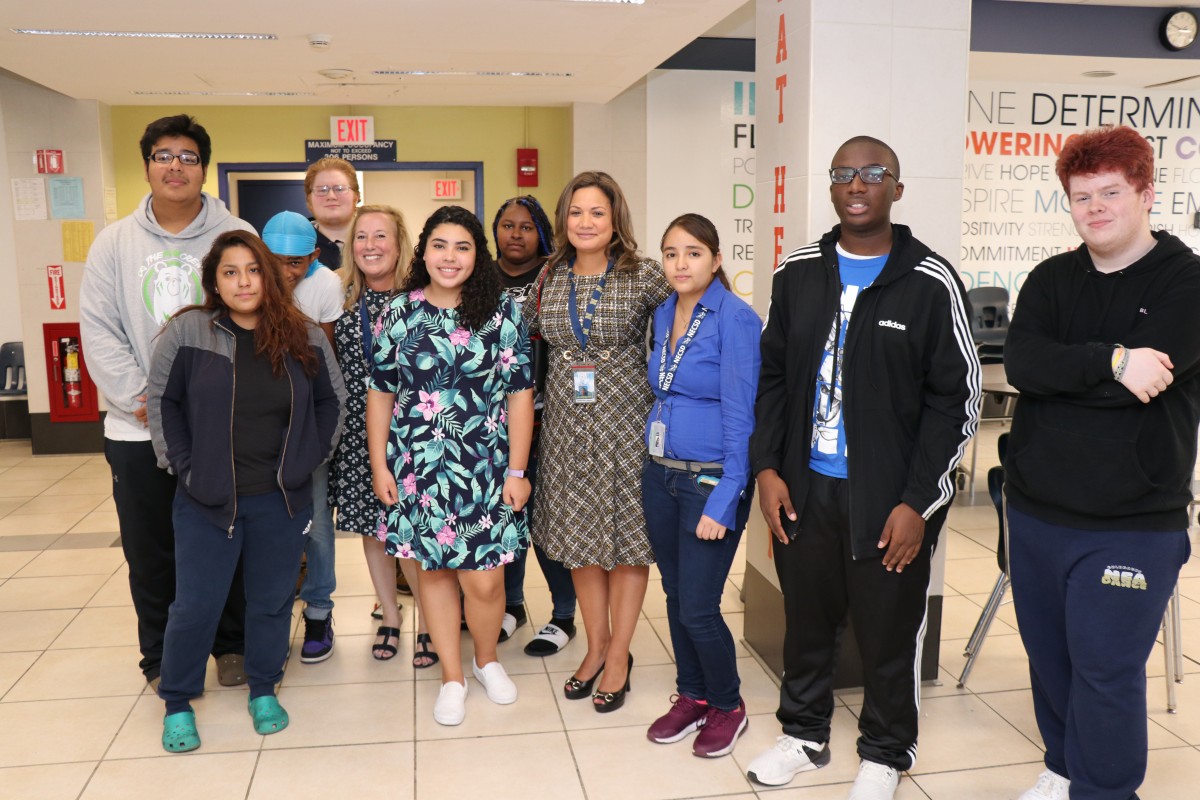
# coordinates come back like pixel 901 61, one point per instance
pixel 179 732
pixel 269 717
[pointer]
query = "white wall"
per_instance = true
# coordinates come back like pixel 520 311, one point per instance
pixel 36 118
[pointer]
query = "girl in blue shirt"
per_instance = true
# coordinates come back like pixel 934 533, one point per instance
pixel 696 482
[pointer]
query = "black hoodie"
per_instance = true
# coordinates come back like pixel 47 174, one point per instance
pixel 910 381
pixel 1085 452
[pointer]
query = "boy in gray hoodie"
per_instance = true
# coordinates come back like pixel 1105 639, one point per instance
pixel 141 270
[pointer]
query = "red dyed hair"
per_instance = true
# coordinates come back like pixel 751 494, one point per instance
pixel 1109 149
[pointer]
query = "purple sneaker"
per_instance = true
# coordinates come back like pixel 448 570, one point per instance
pixel 318 640
pixel 685 716
pixel 720 731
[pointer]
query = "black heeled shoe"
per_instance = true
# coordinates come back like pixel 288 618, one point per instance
pixel 575 689
pixel 605 702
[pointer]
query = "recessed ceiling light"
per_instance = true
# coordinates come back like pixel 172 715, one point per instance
pixel 619 2
pixel 145 34
pixel 441 73
pixel 1099 73
pixel 182 93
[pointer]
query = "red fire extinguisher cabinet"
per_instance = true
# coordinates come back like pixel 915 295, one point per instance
pixel 72 393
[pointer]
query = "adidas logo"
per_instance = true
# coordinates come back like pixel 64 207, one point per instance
pixel 887 323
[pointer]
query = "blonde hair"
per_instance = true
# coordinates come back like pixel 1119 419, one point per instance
pixel 341 165
pixel 622 249
pixel 352 278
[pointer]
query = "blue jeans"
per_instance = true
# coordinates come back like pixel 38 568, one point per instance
pixel 269 543
pixel 1089 606
pixel 320 581
pixel 558 577
pixel 705 659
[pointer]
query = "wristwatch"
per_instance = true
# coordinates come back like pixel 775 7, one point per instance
pixel 516 473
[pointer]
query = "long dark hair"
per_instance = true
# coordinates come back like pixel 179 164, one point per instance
pixel 701 229
pixel 481 292
pixel 282 330
pixel 541 223
pixel 622 249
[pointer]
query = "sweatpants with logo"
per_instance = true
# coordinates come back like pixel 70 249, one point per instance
pixel 822 584
pixel 1089 606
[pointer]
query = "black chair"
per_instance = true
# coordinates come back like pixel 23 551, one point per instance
pixel 12 369
pixel 989 322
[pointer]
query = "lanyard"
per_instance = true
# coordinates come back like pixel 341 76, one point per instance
pixel 583 328
pixel 666 374
pixel 368 340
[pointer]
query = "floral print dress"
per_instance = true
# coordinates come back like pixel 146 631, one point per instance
pixel 448 440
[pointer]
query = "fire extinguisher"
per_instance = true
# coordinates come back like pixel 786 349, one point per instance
pixel 71 376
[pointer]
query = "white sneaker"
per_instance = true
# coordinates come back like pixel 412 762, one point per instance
pixel 1050 786
pixel 451 705
pixel 874 782
pixel 499 687
pixel 777 766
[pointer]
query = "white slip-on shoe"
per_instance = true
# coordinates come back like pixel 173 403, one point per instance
pixel 451 705
pixel 874 782
pixel 777 766
pixel 1050 786
pixel 499 687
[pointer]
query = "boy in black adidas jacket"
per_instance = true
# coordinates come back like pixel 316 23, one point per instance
pixel 855 482
pixel 1105 349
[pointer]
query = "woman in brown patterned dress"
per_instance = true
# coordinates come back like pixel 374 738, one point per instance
pixel 588 491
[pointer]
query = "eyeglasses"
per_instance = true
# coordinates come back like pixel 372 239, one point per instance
pixel 867 174
pixel 165 157
pixel 321 191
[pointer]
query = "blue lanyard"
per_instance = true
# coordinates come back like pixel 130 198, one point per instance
pixel 368 340
pixel 666 374
pixel 583 328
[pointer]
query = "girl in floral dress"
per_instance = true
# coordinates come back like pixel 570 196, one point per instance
pixel 449 424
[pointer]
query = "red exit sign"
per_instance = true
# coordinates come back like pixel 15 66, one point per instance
pixel 351 130
pixel 447 189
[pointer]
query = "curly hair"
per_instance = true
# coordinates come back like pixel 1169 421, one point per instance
pixel 1108 149
pixel 623 249
pixel 353 281
pixel 702 230
pixel 282 330
pixel 481 292
pixel 541 223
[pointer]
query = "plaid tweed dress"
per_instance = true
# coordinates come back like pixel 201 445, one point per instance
pixel 588 491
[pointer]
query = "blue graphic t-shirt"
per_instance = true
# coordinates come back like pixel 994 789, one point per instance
pixel 828 433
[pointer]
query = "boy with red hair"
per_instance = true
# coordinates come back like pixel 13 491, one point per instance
pixel 1105 349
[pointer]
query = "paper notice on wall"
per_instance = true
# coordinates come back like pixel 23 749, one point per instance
pixel 29 198
pixel 110 205
pixel 77 240
pixel 66 198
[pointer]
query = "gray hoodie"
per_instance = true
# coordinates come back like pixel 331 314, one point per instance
pixel 137 275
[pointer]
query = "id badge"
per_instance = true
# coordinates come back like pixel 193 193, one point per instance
pixel 658 437
pixel 584 380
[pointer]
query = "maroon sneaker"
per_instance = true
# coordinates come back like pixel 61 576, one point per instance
pixel 720 731
pixel 685 716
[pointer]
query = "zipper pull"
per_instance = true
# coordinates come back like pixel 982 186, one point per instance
pixel 230 536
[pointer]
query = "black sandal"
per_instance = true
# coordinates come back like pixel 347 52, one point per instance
pixel 424 651
pixel 385 650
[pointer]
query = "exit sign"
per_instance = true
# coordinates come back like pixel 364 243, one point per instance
pixel 447 189
pixel 351 130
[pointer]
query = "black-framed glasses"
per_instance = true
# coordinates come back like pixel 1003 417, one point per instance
pixel 873 174
pixel 165 157
pixel 321 191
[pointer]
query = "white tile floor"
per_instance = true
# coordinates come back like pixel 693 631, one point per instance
pixel 76 721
